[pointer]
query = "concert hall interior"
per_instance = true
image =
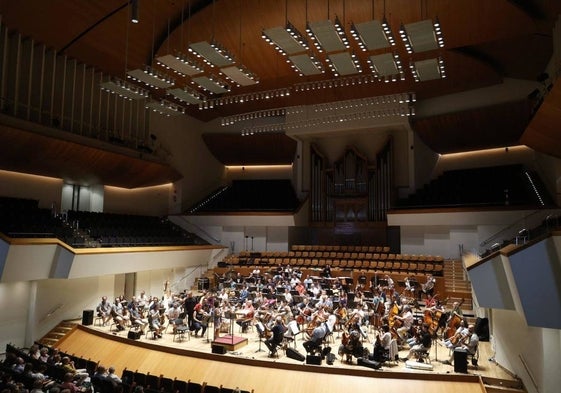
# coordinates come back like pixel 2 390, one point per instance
pixel 268 195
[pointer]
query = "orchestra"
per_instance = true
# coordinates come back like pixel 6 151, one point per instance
pixel 382 311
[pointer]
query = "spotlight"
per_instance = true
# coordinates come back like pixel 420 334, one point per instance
pixel 134 11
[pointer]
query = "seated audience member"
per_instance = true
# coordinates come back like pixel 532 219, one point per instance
pixel 78 374
pixel 112 376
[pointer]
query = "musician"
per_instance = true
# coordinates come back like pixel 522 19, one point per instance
pixel 409 286
pixel 459 337
pixel 277 336
pixel 104 310
pixel 407 319
pixel 283 310
pixel 155 321
pixel 424 343
pixel 117 313
pixel 326 272
pixel 216 318
pixel 383 348
pixel 287 296
pixel 244 293
pixel 318 334
pixel 390 281
pixel 173 313
pixel 428 286
pixel 188 307
pixel 351 345
pixel 137 318
pixel 246 312
pixel 456 309
pixel 199 320
pixel 308 282
pixel 470 344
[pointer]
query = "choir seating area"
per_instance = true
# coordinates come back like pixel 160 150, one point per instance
pixel 357 258
pixel 22 218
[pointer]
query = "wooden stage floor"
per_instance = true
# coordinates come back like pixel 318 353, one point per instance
pixel 250 366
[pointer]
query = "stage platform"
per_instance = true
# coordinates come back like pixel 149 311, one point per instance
pixel 231 343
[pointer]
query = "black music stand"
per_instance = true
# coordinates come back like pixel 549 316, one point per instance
pixel 260 331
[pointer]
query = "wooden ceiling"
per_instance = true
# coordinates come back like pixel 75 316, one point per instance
pixel 485 42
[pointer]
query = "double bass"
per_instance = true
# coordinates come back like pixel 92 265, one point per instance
pixel 454 321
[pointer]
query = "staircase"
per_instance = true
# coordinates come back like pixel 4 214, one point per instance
pixel 58 332
pixel 457 285
pixel 497 385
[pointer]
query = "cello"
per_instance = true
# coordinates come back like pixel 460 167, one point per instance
pixel 454 321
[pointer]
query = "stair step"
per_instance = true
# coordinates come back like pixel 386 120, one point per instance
pixel 500 389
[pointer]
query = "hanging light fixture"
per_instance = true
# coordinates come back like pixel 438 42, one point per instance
pixel 118 86
pixel 149 75
pixel 134 11
pixel 422 36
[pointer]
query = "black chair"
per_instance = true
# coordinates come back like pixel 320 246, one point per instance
pixel 180 386
pixel 193 387
pixel 140 379
pixel 166 385
pixel 211 389
pixel 152 381
pixel 127 376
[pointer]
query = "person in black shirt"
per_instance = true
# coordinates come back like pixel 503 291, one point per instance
pixel 276 339
pixel 189 307
pixel 424 342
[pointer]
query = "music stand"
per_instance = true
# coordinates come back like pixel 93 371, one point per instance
pixel 232 316
pixel 260 330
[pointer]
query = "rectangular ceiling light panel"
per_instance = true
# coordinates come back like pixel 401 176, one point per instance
pixel 210 85
pixel 176 64
pixel 211 54
pixel 164 108
pixel 185 96
pixel 238 76
pixel 151 80
pixel 284 40
pixel 428 69
pixel 421 36
pixel 127 91
pixel 325 33
pixel 384 64
pixel 343 63
pixel 372 35
pixel 305 64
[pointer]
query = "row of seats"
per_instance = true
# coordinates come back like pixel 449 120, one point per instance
pixel 323 247
pixel 154 384
pixel 368 265
pixel 343 255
